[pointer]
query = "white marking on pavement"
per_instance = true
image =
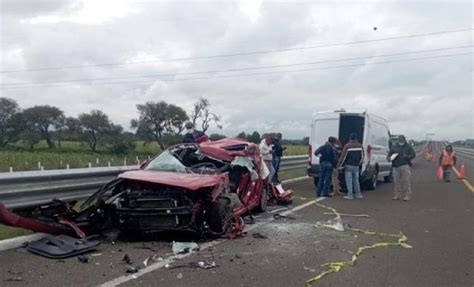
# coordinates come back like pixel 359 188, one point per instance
pixel 16 242
pixel 171 259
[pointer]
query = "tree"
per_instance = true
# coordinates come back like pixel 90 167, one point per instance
pixel 43 119
pixel 10 121
pixel 305 141
pixel 201 111
pixel 59 127
pixel 94 126
pixel 72 129
pixel 216 137
pixel 254 137
pixel 242 135
pixel 157 119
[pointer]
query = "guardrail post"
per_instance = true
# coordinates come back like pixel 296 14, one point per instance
pixel 11 169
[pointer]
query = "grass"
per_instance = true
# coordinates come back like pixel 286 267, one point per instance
pixel 78 155
pixel 296 150
pixel 9 232
pixel 74 154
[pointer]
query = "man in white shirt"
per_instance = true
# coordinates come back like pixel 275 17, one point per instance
pixel 266 152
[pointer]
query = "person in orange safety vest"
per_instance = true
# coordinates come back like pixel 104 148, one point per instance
pixel 447 160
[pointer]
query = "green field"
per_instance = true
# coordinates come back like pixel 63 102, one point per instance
pixel 78 155
pixel 74 154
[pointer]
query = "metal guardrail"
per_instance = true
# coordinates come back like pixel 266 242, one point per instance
pixel 22 189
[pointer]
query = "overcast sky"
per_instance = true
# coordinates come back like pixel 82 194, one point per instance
pixel 432 95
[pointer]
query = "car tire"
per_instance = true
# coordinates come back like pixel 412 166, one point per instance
pixel 220 215
pixel 263 203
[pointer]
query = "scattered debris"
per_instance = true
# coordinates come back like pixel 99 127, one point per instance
pixel 206 264
pixel 61 246
pixel 96 254
pixel 131 269
pixel 335 224
pixel 309 269
pixel 279 216
pixel 127 259
pixel 15 272
pixel 334 246
pixel 145 262
pixel 157 258
pixel 180 276
pixel 349 215
pixel 14 279
pixel 184 247
pixel 83 259
pixel 259 236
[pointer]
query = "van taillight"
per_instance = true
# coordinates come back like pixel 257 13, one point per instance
pixel 310 152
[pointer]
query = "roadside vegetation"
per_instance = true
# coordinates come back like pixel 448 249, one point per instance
pixel 43 137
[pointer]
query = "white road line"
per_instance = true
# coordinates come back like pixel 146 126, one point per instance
pixel 156 266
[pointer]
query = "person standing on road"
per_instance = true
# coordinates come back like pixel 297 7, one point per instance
pixel 447 160
pixel 336 185
pixel 327 161
pixel 351 159
pixel 401 155
pixel 278 149
pixel 266 152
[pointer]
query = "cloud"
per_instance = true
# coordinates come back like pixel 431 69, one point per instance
pixel 432 95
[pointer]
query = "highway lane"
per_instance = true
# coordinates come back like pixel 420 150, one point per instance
pixel 437 222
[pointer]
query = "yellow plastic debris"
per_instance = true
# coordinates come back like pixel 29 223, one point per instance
pixel 334 267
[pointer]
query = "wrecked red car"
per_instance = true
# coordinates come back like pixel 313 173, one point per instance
pixel 203 188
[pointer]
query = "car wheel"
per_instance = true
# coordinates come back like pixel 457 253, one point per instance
pixel 220 215
pixel 262 206
pixel 372 183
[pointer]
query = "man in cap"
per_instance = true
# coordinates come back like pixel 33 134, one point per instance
pixel 401 155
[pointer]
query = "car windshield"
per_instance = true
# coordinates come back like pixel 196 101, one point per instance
pixel 166 161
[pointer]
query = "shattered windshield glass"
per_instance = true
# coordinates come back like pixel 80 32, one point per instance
pixel 166 161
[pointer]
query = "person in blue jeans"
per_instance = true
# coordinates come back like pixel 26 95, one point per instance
pixel 278 149
pixel 351 158
pixel 327 161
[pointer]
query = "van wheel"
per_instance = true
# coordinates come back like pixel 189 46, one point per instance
pixel 372 183
pixel 388 178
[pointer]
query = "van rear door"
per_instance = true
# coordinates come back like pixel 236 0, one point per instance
pixel 351 123
pixel 322 128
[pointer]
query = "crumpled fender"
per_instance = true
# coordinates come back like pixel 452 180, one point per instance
pixel 12 219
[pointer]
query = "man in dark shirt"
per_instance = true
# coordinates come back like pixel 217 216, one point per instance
pixel 193 136
pixel 327 162
pixel 278 149
pixel 401 155
pixel 351 159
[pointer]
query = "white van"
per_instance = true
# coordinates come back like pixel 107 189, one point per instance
pixel 372 132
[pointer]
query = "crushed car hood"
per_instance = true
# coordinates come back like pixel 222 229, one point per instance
pixel 189 181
